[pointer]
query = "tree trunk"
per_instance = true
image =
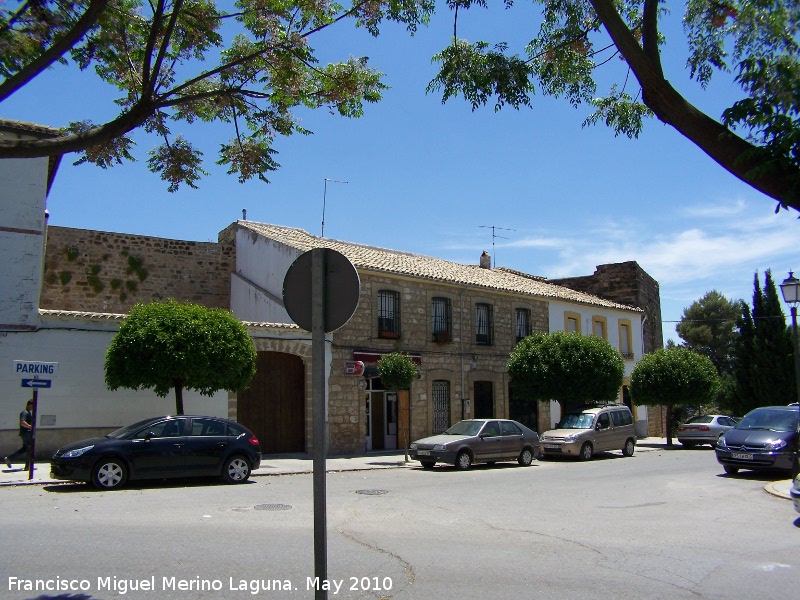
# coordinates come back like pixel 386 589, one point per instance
pixel 669 425
pixel 733 153
pixel 178 397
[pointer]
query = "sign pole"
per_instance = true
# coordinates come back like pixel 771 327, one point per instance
pixel 318 301
pixel 33 433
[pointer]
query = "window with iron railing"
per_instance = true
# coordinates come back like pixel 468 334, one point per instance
pixel 523 323
pixel 483 324
pixel 441 316
pixel 388 314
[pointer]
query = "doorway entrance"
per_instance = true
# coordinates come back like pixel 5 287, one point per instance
pixel 381 417
pixel 273 405
pixel 484 400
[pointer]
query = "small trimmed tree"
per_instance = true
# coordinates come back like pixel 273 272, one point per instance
pixel 166 345
pixel 397 371
pixel 673 377
pixel 567 367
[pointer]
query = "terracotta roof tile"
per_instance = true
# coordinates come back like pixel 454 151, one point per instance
pixel 382 260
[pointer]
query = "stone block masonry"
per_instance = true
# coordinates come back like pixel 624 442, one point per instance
pixel 97 271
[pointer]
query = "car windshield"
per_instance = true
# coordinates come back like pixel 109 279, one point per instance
pixel 772 419
pixel 577 421
pixel 122 432
pixel 465 428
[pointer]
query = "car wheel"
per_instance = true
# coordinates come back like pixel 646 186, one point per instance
pixel 688 444
pixel 525 457
pixel 630 446
pixel 109 474
pixel 428 464
pixel 463 460
pixel 236 470
pixel 730 470
pixel 586 451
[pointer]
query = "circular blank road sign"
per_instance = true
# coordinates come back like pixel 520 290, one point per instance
pixel 341 287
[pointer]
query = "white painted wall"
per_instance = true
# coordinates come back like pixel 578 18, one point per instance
pixel 557 321
pixel 23 189
pixel 264 263
pixel 557 310
pixel 78 397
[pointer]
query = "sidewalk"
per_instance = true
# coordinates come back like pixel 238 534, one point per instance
pixel 274 464
pixel 294 464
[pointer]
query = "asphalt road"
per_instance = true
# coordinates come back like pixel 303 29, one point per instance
pixel 662 524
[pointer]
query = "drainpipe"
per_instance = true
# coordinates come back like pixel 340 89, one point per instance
pixel 461 347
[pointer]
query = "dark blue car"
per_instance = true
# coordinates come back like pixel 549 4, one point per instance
pixel 765 438
pixel 161 448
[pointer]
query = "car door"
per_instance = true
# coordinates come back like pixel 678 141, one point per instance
pixel 513 439
pixel 158 449
pixel 490 442
pixel 620 432
pixel 604 433
pixel 206 446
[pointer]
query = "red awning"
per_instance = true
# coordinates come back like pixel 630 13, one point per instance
pixel 368 356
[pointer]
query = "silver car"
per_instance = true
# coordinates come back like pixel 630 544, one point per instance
pixel 478 440
pixel 704 429
pixel 592 430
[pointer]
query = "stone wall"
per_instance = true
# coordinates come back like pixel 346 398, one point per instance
pixel 626 283
pixel 98 271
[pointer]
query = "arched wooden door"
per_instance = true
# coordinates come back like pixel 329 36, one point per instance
pixel 273 406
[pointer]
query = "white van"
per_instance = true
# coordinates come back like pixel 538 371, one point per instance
pixel 591 430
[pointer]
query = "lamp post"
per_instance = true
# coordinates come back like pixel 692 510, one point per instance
pixel 790 289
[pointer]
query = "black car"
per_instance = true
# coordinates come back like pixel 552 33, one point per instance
pixel 766 438
pixel 160 448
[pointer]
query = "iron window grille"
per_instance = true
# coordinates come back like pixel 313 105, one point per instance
pixel 483 324
pixel 441 315
pixel 441 405
pixel 388 314
pixel 523 324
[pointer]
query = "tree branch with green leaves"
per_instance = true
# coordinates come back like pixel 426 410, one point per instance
pixel 756 139
pixel 174 65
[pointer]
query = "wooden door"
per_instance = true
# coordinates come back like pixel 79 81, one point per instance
pixel 273 406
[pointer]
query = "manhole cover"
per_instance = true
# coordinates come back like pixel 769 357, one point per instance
pixel 372 492
pixel 273 507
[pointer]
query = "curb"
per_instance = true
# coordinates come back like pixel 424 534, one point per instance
pixel 779 489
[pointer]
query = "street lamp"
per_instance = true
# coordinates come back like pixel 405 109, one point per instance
pixel 790 288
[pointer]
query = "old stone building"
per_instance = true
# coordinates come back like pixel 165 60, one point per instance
pixel 458 322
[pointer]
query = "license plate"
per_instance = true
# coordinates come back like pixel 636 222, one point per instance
pixel 423 452
pixel 551 446
pixel 741 456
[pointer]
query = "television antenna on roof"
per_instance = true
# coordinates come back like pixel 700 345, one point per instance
pixel 324 198
pixel 494 235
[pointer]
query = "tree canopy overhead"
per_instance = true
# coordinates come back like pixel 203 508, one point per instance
pixel 186 61
pixel 756 139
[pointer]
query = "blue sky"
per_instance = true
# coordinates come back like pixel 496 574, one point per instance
pixel 431 178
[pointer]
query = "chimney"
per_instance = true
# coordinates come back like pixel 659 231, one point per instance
pixel 486 260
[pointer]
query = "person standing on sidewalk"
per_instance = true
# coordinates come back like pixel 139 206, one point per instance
pixel 25 428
